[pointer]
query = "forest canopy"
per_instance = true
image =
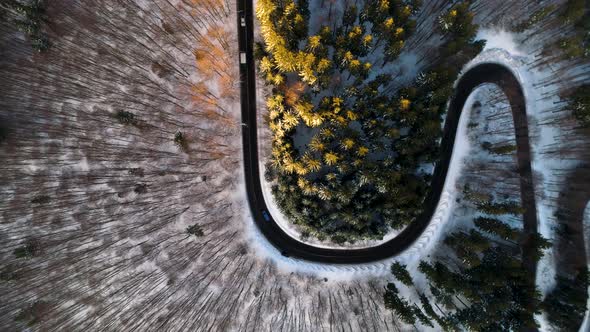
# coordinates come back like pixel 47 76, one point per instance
pixel 360 172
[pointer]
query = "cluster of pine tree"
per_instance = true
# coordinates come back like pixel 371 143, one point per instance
pixel 29 18
pixel 358 175
pixel 481 286
pixel 566 304
pixel 577 13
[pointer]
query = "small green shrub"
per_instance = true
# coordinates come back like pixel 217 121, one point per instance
pixel 475 196
pixel 537 17
pixel 270 173
pixel 576 13
pixel 181 141
pixel 137 172
pixel 498 150
pixel 126 118
pixel 27 251
pixel 140 188
pixel 40 42
pixel 8 274
pixel 580 105
pixel 493 208
pixel 41 199
pixel 195 230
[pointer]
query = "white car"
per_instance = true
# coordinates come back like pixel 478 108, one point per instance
pixel 242 21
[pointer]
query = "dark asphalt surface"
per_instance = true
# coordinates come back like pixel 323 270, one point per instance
pixel 485 73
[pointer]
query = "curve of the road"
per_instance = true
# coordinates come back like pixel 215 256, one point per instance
pixel 474 77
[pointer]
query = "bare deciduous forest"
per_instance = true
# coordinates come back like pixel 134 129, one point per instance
pixel 98 188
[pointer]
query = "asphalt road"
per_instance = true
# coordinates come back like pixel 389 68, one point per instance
pixel 484 73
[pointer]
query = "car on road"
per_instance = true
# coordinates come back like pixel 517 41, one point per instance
pixel 265 215
pixel 243 21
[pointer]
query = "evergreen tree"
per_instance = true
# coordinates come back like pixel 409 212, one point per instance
pixel 498 228
pixel 493 208
pixel 195 230
pixel 566 303
pixel 398 305
pixel 28 251
pixel 401 273
pixel 580 104
pixel 181 141
pixel 540 243
pixel 125 117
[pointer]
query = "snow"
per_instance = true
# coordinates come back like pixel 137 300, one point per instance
pixel 499 39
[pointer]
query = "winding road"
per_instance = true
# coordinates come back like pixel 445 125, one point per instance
pixel 478 75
